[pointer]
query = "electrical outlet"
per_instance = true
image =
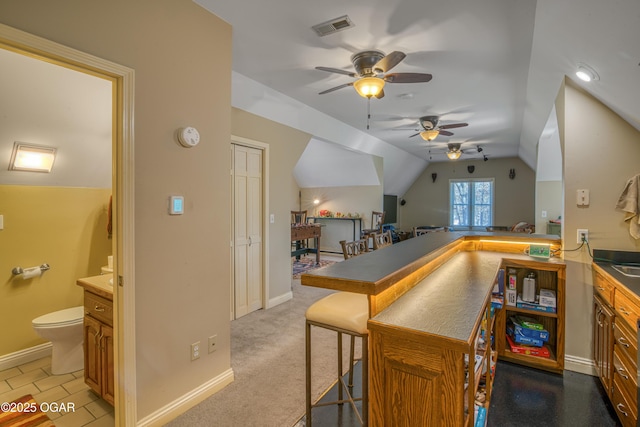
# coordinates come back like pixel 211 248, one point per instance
pixel 583 235
pixel 195 350
pixel 213 339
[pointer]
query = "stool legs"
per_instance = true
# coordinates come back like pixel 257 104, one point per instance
pixel 342 386
pixel 307 345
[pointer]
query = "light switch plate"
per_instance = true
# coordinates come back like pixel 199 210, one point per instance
pixel 1 222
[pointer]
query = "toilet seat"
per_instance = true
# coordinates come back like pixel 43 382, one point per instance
pixel 66 317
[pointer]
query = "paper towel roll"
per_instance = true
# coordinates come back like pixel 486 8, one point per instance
pixel 31 272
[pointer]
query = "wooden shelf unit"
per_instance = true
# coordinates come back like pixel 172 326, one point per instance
pixel 548 276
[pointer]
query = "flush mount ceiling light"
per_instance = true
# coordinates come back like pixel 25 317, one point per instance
pixel 429 135
pixel 369 86
pixel 586 73
pixel 33 158
pixel 454 152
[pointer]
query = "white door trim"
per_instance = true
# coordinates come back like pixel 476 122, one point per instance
pixel 265 206
pixel 122 79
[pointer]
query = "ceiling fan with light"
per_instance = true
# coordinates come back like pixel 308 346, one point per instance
pixel 431 128
pixel 371 71
pixel 454 151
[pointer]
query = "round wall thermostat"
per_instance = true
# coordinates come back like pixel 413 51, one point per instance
pixel 188 137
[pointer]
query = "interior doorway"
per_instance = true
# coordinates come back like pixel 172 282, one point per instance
pixel 123 196
pixel 248 229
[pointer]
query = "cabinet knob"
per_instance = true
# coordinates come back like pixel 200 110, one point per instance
pixel 624 311
pixel 98 308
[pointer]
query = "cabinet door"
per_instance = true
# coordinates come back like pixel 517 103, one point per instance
pixel 107 374
pixel 92 354
pixel 603 342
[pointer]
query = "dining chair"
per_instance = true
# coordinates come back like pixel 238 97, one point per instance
pixel 354 248
pixel 380 240
pixel 377 221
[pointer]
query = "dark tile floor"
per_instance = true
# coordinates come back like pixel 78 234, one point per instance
pixel 522 397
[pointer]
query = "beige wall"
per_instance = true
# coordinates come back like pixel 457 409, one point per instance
pixel 361 199
pixel 549 198
pixel 63 227
pixel 601 153
pixel 428 201
pixel 181 55
pixel 285 148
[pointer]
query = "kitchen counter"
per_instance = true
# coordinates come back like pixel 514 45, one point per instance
pixel 606 259
pixel 98 285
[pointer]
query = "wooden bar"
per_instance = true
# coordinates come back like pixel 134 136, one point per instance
pixel 429 304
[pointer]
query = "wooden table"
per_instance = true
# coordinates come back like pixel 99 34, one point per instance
pixel 300 232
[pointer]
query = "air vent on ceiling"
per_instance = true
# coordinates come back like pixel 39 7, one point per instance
pixel 333 26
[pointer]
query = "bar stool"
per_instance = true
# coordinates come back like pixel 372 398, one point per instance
pixel 345 313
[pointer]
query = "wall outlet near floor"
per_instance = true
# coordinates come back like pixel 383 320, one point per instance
pixel 195 350
pixel 583 235
pixel 213 343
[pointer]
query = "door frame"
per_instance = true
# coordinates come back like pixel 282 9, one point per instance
pixel 122 79
pixel 238 140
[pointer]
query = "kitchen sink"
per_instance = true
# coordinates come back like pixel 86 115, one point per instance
pixel 628 270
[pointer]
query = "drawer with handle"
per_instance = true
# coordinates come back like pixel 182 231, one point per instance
pixel 98 307
pixel 627 308
pixel 627 413
pixel 625 342
pixel 603 287
pixel 625 376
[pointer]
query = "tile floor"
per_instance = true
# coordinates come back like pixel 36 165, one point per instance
pixel 35 378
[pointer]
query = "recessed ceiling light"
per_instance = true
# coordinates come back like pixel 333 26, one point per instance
pixel 586 73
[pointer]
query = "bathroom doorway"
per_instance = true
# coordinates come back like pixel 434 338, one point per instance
pixel 120 149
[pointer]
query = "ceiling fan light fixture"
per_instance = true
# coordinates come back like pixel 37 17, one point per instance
pixel 454 154
pixel 368 86
pixel 429 135
pixel 586 73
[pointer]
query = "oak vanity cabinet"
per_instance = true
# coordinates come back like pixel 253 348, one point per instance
pixel 98 345
pixel 616 311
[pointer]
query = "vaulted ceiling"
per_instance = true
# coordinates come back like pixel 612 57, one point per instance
pixel 496 65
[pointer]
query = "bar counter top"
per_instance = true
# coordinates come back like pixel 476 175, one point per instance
pixel 374 272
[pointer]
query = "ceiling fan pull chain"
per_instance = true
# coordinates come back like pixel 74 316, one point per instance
pixel 368 111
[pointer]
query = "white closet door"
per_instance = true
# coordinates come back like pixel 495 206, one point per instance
pixel 247 172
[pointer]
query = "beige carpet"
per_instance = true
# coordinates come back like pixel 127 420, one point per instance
pixel 267 356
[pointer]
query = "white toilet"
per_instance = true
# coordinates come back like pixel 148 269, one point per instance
pixel 64 329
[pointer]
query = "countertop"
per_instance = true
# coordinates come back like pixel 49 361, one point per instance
pixel 631 283
pixel 606 259
pixel 98 285
pixel 460 286
pixel 375 271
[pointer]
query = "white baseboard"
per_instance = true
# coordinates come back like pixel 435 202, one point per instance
pixel 187 401
pixel 280 299
pixel 580 365
pixel 27 355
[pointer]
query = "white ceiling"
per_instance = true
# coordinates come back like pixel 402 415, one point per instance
pixel 496 64
pixel 48 105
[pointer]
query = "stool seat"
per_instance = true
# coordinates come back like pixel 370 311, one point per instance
pixel 344 310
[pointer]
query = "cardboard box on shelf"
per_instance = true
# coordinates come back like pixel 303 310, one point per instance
pixel 528 350
pixel 547 297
